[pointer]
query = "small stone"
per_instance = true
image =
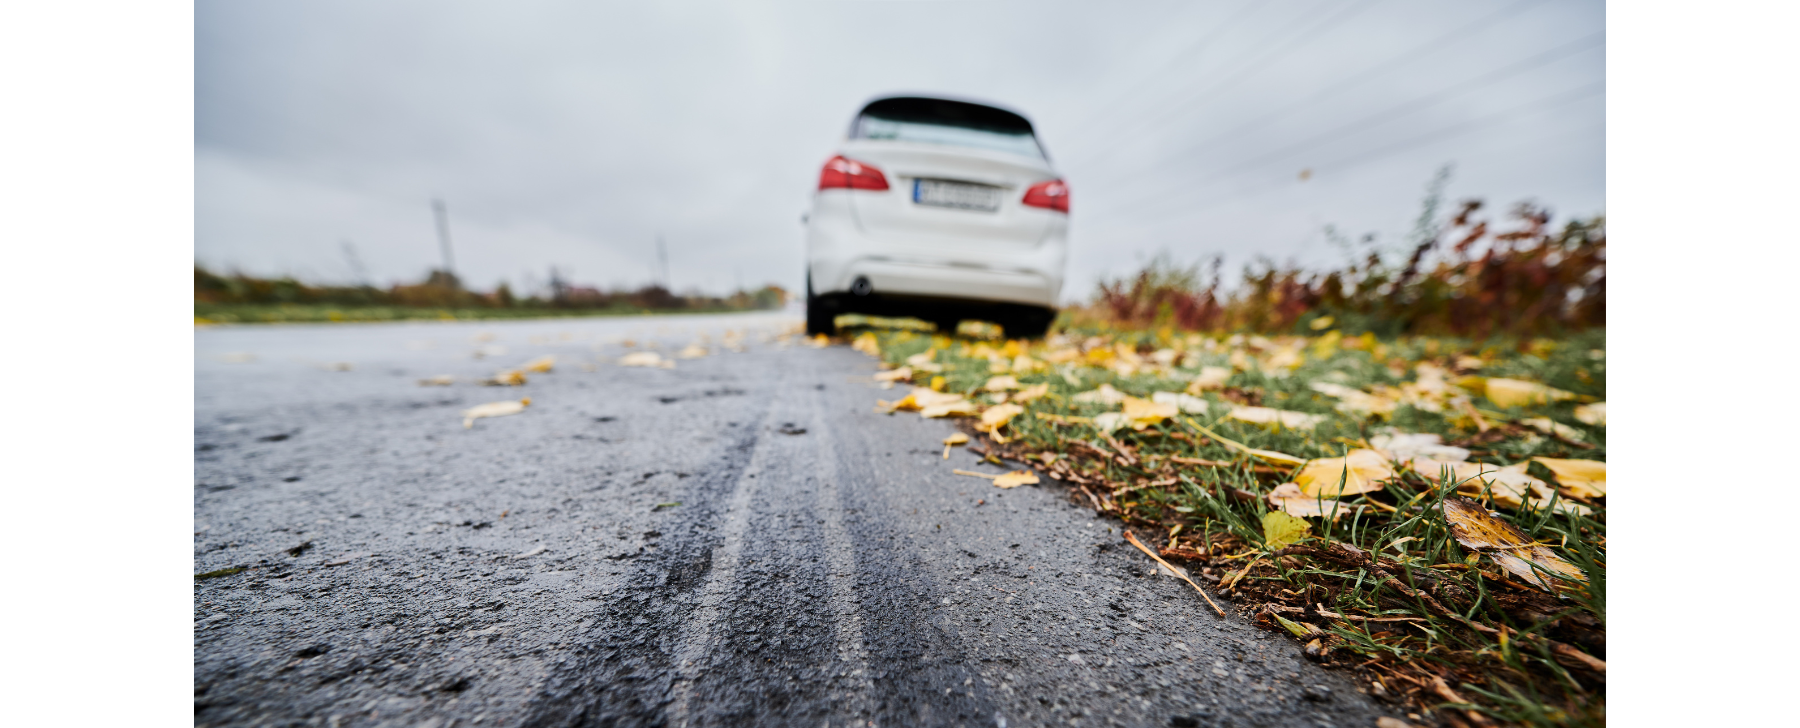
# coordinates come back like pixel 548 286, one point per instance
pixel 1318 693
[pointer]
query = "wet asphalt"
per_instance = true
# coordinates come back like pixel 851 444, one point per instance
pixel 739 540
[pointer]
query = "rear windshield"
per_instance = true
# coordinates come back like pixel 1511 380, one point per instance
pixel 941 121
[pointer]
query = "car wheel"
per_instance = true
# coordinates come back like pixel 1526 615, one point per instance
pixel 819 319
pixel 1028 325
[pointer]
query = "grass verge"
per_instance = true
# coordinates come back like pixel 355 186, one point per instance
pixel 1380 581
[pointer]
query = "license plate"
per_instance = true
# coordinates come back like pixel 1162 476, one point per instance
pixel 960 195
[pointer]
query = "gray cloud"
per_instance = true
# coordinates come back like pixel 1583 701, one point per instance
pixel 575 133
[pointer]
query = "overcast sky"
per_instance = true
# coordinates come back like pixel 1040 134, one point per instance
pixel 575 133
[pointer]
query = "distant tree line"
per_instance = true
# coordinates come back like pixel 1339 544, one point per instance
pixel 442 289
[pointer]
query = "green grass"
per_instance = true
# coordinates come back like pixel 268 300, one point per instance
pixel 1517 682
pixel 312 313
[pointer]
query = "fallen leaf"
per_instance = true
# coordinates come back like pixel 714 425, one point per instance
pixel 1289 499
pixel 1360 471
pixel 692 351
pixel 1270 416
pixel 1210 378
pixel 1477 529
pixel 1281 529
pixel 1144 413
pixel 1358 403
pixel 867 344
pixel 641 359
pixel 1015 479
pixel 1188 403
pixel 1584 478
pixel 540 365
pixel 1552 427
pixel 494 409
pixel 903 374
pixel 1032 392
pixel 441 380
pixel 1519 393
pixel 956 439
pixel 1105 395
pixel 506 378
pixel 1001 383
pixel 1591 414
pixel 997 416
pixel 1403 447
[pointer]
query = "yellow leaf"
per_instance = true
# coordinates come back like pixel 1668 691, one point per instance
pixel 922 358
pixel 1032 392
pixel 1321 323
pixel 1187 403
pixel 1519 393
pixel 1592 414
pixel 867 344
pixel 1001 384
pixel 902 374
pixel 493 409
pixel 1552 427
pixel 1015 479
pixel 1281 529
pixel 1143 413
pixel 506 378
pixel 540 365
pixel 997 416
pixel 937 384
pixel 1361 471
pixel 1584 478
pixel 1477 529
pixel 956 439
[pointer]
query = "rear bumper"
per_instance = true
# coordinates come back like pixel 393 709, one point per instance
pixel 838 254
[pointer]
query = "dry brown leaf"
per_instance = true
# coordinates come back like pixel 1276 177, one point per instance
pixel 1584 478
pixel 1361 471
pixel 1015 479
pixel 494 409
pixel 1477 529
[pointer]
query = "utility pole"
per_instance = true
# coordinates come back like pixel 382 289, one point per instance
pixel 443 230
pixel 662 260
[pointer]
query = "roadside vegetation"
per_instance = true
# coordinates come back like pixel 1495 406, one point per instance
pixel 1400 464
pixel 240 298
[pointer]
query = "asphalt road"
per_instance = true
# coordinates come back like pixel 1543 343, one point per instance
pixel 823 566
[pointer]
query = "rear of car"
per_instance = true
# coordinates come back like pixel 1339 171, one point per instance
pixel 941 209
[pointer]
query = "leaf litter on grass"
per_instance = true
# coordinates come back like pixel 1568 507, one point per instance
pixel 1340 487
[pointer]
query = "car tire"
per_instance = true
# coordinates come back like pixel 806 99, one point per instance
pixel 819 319
pixel 1028 325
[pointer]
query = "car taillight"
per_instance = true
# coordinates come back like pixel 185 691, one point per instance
pixel 1053 195
pixel 851 174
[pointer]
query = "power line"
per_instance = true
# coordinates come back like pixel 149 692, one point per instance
pixel 1420 103
pixel 1588 91
pixel 1484 23
pixel 1242 72
pixel 1246 10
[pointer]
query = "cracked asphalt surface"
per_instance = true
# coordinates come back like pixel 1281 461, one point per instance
pixel 738 540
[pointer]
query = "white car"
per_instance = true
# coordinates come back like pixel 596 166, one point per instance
pixel 940 209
